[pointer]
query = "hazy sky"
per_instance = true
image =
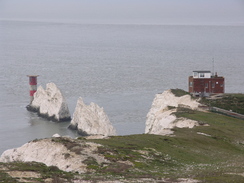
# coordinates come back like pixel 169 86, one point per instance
pixel 127 11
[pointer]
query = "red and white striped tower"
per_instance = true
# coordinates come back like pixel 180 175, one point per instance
pixel 33 85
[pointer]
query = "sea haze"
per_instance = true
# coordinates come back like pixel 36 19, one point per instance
pixel 119 67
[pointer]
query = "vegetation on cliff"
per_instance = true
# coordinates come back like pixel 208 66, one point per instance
pixel 211 153
pixel 179 92
pixel 233 102
pixel 206 153
pixel 32 172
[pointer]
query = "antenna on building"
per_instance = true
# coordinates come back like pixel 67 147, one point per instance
pixel 213 67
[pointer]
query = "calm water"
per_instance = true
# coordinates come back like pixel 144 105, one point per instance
pixel 119 67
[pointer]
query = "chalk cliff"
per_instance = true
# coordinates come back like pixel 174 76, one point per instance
pixel 91 120
pixel 50 103
pixel 65 153
pixel 160 118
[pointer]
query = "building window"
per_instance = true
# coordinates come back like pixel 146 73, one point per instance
pixel 206 85
pixel 190 84
pixel 201 75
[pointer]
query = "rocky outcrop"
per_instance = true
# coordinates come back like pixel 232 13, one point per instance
pixel 91 120
pixel 50 103
pixel 160 118
pixel 65 153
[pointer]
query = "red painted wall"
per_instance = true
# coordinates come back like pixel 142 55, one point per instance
pixel 32 80
pixel 208 85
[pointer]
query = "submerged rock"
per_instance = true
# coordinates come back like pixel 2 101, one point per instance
pixel 91 120
pixel 160 118
pixel 50 103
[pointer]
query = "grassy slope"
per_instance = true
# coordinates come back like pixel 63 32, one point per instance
pixel 234 102
pixel 217 157
pixel 187 155
pixel 179 92
pixel 44 172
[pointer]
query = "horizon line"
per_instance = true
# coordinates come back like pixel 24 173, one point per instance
pixel 68 21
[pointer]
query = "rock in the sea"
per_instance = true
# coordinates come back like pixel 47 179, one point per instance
pixel 160 119
pixel 65 153
pixel 56 135
pixel 91 120
pixel 50 103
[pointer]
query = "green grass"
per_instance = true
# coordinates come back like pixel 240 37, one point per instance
pixel 217 157
pixel 5 178
pixel 45 172
pixel 179 92
pixel 214 157
pixel 188 154
pixel 234 102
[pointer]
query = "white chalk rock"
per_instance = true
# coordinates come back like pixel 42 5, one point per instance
pixel 91 120
pixel 160 119
pixel 50 103
pixel 56 135
pixel 65 153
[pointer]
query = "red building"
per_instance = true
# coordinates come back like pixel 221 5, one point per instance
pixel 202 83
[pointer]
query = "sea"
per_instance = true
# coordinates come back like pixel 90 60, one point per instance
pixel 120 67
